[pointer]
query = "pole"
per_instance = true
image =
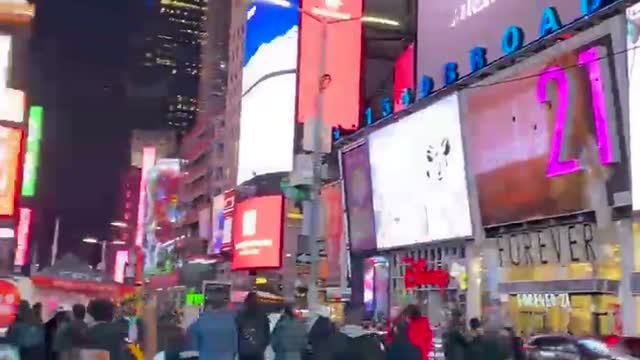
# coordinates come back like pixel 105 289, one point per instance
pixel 312 294
pixel 103 256
pixel 54 245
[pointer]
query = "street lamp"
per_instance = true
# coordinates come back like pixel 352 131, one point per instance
pixel 326 18
pixel 103 252
pixel 119 224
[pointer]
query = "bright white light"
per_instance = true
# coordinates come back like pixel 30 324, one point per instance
pixel 281 3
pixel 90 240
pixel 119 224
pixel 268 108
pixel 418 178
pixel 7 233
pixel 118 242
pixel 12 105
pixel 379 20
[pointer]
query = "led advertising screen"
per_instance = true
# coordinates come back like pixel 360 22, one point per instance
pixel 5 59
pixel 403 76
pixel 331 196
pixel 478 23
pixel 12 103
pixel 343 52
pixel 356 173
pixel 633 63
pixel 22 240
pixel 10 144
pixel 547 144
pixel 257 233
pixel 32 154
pixel 217 226
pixel 418 177
pixel 267 120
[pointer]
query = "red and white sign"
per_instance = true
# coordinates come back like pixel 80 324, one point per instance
pixel 9 301
pixel 22 240
pixel 257 233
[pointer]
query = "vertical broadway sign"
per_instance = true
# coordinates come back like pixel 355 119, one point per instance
pixel 32 154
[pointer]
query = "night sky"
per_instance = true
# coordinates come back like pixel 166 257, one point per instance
pixel 79 61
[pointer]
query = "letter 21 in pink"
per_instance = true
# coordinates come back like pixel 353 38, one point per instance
pixel 589 60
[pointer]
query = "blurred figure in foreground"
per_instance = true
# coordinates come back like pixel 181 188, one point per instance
pixel 289 338
pixel 214 335
pixel 399 347
pixel 103 333
pixel 419 332
pixel 322 333
pixel 355 342
pixel 27 334
pixel 170 335
pixel 475 346
pixel 454 340
pixel 37 312
pixel 130 324
pixel 51 328
pixel 253 330
pixel 72 333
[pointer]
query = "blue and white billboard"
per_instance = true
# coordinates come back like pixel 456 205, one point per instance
pixel 268 90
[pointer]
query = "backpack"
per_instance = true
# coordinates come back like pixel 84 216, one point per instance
pixel 252 334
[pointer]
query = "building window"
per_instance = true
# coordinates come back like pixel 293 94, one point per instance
pixel 218 173
pixel 219 148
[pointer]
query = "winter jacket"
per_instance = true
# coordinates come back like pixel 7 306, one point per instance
pixel 215 335
pixel 70 334
pixel 28 338
pixel 106 336
pixel 421 336
pixel 455 345
pixel 289 339
pixel 399 347
pixel 321 335
pixel 356 343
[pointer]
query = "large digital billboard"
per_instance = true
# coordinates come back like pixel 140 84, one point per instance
pixel 216 238
pixel 343 52
pixel 356 172
pixel 32 154
pixel 257 233
pixel 403 76
pixel 480 23
pixel 10 145
pixel 633 64
pixel 548 144
pixel 419 179
pixel 267 120
pixel 331 196
pixel 23 237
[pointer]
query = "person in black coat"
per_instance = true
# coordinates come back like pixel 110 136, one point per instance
pixel 130 325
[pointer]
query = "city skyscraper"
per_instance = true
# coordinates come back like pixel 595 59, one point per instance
pixel 165 66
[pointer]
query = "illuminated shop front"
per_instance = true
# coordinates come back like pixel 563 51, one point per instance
pixel 559 276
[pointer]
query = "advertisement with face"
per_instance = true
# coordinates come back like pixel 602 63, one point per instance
pixel 268 90
pixel 343 53
pixel 331 196
pixel 633 63
pixel 418 178
pixel 546 144
pixel 462 19
pixel 257 233
pixel 10 143
pixel 356 172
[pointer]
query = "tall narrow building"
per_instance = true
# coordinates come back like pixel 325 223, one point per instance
pixel 165 63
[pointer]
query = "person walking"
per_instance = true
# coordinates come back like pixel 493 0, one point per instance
pixel 289 337
pixel 71 333
pixel 475 349
pixel 131 326
pixel 253 330
pixel 357 343
pixel 398 345
pixel 215 335
pixel 51 327
pixel 454 341
pixel 103 333
pixel 322 333
pixel 27 334
pixel 419 331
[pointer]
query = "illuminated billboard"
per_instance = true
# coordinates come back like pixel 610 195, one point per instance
pixel 633 64
pixel 419 179
pixel 12 103
pixel 257 233
pixel 32 153
pixel 161 214
pixel 217 226
pixel 148 160
pixel 549 144
pixel 10 144
pixel 269 80
pixel 5 59
pixel 403 77
pixel 484 29
pixel 22 240
pixel 343 61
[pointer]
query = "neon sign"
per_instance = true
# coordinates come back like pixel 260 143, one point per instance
pixel 32 155
pixel 588 60
pixel 513 40
pixel 22 241
pixel 416 274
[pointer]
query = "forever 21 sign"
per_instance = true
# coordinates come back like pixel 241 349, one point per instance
pixel 555 245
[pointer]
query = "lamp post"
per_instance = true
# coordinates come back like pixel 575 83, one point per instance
pixel 103 252
pixel 325 18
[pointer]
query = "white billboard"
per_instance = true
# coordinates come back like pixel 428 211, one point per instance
pixel 269 80
pixel 418 178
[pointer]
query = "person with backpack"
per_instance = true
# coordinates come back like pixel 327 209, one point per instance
pixel 215 335
pixel 27 334
pixel 253 330
pixel 289 338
